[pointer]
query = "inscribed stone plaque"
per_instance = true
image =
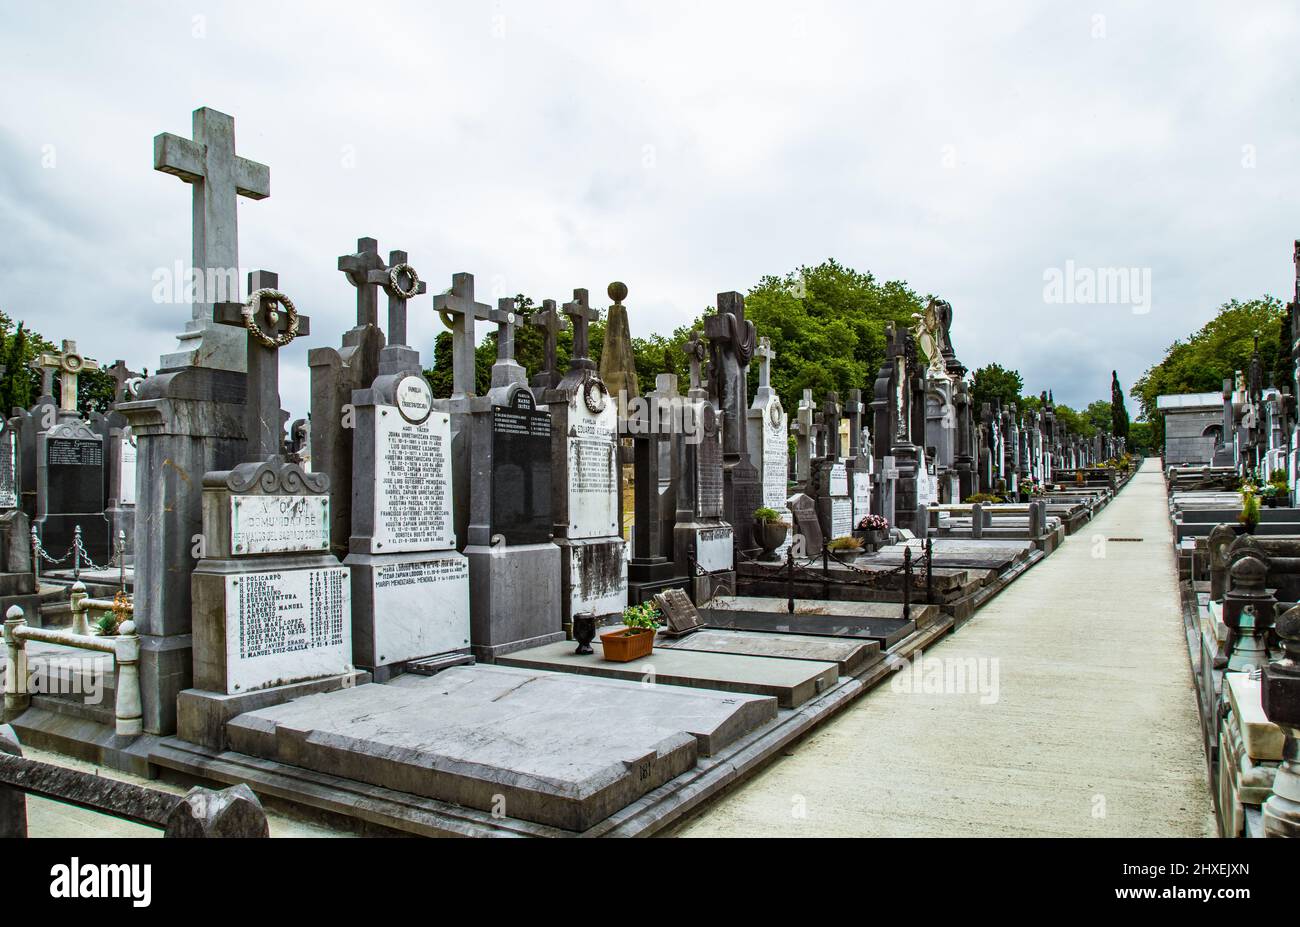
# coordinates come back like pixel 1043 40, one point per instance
pixel 839 480
pixel 126 468
pixel 8 483
pixel 679 611
pixel 841 517
pixel 278 524
pixel 861 495
pixel 421 607
pixel 775 457
pixel 713 548
pixel 521 471
pixel 76 475
pixel 287 625
pixel 412 481
pixel 709 474
pixel 593 470
pixel 805 519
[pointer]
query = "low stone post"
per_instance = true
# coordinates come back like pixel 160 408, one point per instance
pixel 13 802
pixel 76 597
pixel 126 654
pixel 977 521
pixel 232 812
pixel 16 696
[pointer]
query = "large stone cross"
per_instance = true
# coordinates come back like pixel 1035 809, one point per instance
pixel 582 315
pixel 219 177
pixel 357 268
pixel 69 365
pixel 401 283
pixel 460 313
pixel 551 323
pixel 765 356
pixel 506 370
pixel 262 427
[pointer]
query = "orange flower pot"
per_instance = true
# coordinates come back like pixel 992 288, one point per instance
pixel 621 647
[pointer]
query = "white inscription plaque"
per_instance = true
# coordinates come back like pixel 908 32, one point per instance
pixel 278 524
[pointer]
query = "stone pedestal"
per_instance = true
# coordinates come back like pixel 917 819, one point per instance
pixel 834 502
pixel 186 422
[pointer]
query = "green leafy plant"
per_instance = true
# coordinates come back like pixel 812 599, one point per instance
pixel 765 514
pixel 1277 476
pixel 107 625
pixel 641 617
pixel 983 497
pixel 845 544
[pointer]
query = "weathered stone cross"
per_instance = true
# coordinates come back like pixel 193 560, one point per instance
pixel 357 267
pixel 208 162
pixel 262 425
pixel 582 315
pixel 506 370
pixel 407 280
pixel 765 356
pixel 551 323
pixel 460 313
pixel 69 364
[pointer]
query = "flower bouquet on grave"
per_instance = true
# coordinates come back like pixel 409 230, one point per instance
pixel 637 638
pixel 874 529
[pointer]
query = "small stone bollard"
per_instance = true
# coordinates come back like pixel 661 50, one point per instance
pixel 232 812
pixel 977 521
pixel 13 802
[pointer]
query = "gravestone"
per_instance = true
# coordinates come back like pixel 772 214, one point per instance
pixel 732 340
pixel 805 439
pixel 804 510
pixel 514 568
pixel 769 443
pixel 679 612
pixel 335 374
pixel 122 461
pixel 410 586
pixel 858 462
pixel 703 543
pixel 831 477
pixel 70 471
pixel 9 471
pixel 651 568
pixel 187 418
pixel 585 480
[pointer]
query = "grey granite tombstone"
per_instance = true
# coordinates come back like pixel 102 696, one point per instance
pixel 584 478
pixel 769 443
pixel 804 510
pixel 703 543
pixel 410 587
pixel 732 339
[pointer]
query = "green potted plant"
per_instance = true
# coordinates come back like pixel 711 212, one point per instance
pixel 637 638
pixel 1026 490
pixel 770 531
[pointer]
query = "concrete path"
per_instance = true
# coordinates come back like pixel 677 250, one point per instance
pixel 1077 718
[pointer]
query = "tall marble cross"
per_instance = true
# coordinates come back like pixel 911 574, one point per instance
pixel 551 323
pixel 506 370
pixel 69 365
pixel 582 315
pixel 460 313
pixel 262 425
pixel 397 299
pixel 765 356
pixel 357 267
pixel 219 177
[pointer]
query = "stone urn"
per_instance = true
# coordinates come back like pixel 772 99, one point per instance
pixel 770 535
pixel 584 632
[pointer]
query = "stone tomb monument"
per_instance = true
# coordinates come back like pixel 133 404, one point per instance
pixel 70 470
pixel 585 481
pixel 769 443
pixel 831 478
pixel 410 587
pixel 703 543
pixel 514 568
pixel 732 340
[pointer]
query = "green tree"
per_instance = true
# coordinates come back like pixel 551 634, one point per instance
pixel 1098 415
pixel 1078 423
pixel 1118 413
pixel 995 382
pixel 1206 358
pixel 1139 439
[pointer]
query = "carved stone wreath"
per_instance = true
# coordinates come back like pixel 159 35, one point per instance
pixel 395 281
pixel 596 395
pixel 250 318
pixel 775 412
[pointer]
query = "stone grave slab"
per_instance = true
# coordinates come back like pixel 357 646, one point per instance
pixel 1262 738
pixel 792 682
pixel 849 655
pixel 558 748
pixel 876 621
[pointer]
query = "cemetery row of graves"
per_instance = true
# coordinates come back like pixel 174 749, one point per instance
pixel 445 616
pixel 1231 474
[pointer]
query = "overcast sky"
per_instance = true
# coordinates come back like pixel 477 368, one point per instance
pixel 686 149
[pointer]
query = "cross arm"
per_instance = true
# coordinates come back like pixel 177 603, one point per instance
pixel 252 179
pixel 182 157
